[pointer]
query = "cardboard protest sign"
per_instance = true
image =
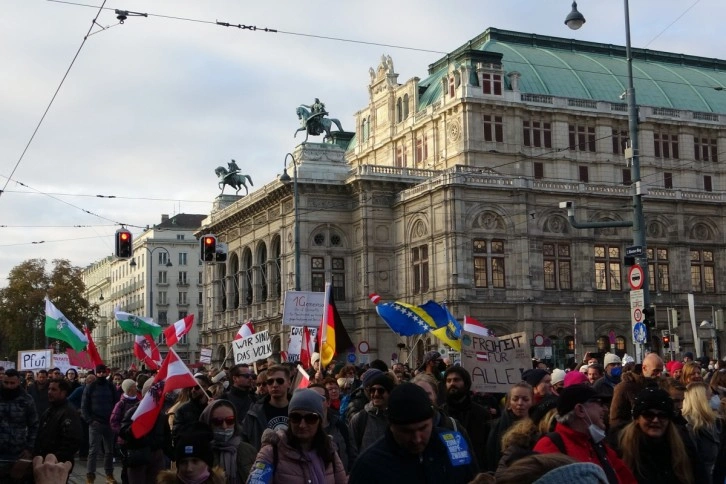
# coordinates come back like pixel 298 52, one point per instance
pixel 303 308
pixel 495 363
pixel 62 362
pixel 252 348
pixel 294 345
pixel 35 360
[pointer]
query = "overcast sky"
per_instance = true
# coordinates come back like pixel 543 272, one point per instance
pixel 152 106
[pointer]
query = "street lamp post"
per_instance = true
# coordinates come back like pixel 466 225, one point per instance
pixel 285 178
pixel 575 20
pixel 151 269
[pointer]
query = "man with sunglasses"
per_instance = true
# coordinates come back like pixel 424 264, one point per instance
pixel 242 391
pixel 370 424
pixel 271 411
pixel 580 433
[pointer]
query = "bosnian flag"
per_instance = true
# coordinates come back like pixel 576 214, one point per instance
pixel 246 330
pixel 146 350
pixel 471 325
pixel 174 332
pixel 173 374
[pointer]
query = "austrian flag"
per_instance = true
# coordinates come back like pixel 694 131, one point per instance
pixel 175 332
pixel 246 330
pixel 482 356
pixel 146 350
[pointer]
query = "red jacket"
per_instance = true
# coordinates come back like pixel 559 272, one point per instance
pixel 579 446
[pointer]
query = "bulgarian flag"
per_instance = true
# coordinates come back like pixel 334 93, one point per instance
pixel 471 325
pixel 137 325
pixel 59 327
pixel 92 350
pixel 246 330
pixel 173 374
pixel 146 350
pixel 174 332
pixel 333 336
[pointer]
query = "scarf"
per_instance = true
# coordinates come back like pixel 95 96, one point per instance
pixel 198 480
pixel 227 453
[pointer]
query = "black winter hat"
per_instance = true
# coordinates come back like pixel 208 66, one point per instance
pixel 653 398
pixel 534 376
pixel 408 404
pixel 195 442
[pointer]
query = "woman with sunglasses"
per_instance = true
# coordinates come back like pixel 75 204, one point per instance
pixel 229 451
pixel 651 445
pixel 304 453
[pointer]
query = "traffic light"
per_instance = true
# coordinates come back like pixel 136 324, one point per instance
pixel 208 248
pixel 649 317
pixel 124 244
pixel 666 340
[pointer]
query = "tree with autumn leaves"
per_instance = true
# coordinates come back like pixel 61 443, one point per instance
pixel 22 306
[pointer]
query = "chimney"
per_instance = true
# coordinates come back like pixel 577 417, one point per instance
pixel 164 217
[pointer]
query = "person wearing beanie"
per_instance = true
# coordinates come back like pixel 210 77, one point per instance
pixel 624 393
pixel 128 399
pixel 413 450
pixel 359 398
pixel 304 452
pixel 574 378
pixel 541 383
pixel 558 380
pixel 580 432
pixel 652 446
pixel 613 372
pixel 474 417
pixel 194 459
pixel 370 424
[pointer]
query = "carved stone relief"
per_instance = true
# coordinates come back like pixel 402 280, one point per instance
pixel 489 220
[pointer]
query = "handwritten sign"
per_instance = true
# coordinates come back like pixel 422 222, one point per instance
pixel 35 360
pixel 495 363
pixel 205 356
pixel 7 364
pixel 252 348
pixel 294 345
pixel 303 308
pixel 62 362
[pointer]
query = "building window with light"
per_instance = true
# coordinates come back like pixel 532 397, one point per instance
pixel 557 266
pixel 537 134
pixel 489 263
pixel 493 128
pixel 658 269
pixel 703 276
pixel 317 274
pixel 420 267
pixel 607 268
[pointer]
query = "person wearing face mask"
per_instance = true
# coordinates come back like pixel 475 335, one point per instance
pixel 229 451
pixel 613 372
pixel 652 447
pixel 580 433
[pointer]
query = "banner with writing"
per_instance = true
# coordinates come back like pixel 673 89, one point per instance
pixel 62 362
pixel 495 363
pixel 35 360
pixel 303 308
pixel 252 348
pixel 294 345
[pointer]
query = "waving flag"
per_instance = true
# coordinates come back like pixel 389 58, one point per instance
pixel 146 350
pixel 138 325
pixel 92 350
pixel 59 327
pixel 307 348
pixel 175 332
pixel 79 358
pixel 471 325
pixel 246 330
pixel 408 320
pixel 333 336
pixel 172 375
pixel 451 333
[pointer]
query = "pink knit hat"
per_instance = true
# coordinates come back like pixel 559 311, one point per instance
pixel 575 378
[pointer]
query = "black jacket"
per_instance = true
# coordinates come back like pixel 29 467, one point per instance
pixel 385 462
pixel 241 399
pixel 60 432
pixel 475 418
pixel 186 416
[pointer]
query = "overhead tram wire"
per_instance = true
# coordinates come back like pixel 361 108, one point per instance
pixel 52 99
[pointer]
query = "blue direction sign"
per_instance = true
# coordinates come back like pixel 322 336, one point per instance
pixel 640 334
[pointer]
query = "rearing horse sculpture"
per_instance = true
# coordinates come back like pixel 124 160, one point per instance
pixel 235 180
pixel 316 124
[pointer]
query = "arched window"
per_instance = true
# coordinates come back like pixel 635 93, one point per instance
pixel 570 343
pixel 262 263
pixel 603 344
pixel 399 110
pixel 405 106
pixel 236 279
pixel 277 267
pixel 223 278
pixel 247 288
pixel 620 346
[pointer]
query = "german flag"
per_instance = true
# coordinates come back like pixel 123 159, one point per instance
pixel 334 338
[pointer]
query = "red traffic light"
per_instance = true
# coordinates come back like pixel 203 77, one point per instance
pixel 124 236
pixel 124 244
pixel 208 240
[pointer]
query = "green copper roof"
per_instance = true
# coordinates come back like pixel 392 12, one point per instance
pixel 588 70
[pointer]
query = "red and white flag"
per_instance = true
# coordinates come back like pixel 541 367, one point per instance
pixel 172 375
pixel 471 325
pixel 307 348
pixel 175 332
pixel 302 380
pixel 146 350
pixel 482 356
pixel 246 330
pixel 92 350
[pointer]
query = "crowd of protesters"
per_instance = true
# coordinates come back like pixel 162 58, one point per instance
pixel 605 421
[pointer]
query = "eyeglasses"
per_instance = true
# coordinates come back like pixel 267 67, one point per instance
pixel 219 421
pixel 374 390
pixel 279 381
pixel 650 415
pixel 310 418
pixel 244 375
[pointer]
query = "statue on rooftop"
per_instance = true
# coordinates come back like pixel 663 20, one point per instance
pixel 232 177
pixel 313 119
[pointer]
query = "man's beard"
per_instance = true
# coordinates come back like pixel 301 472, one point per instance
pixel 455 393
pixel 9 394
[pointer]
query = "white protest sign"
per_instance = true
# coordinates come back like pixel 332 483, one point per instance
pixel 252 348
pixel 303 308
pixel 35 360
pixel 7 364
pixel 205 356
pixel 61 361
pixel 294 345
pixel 495 363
